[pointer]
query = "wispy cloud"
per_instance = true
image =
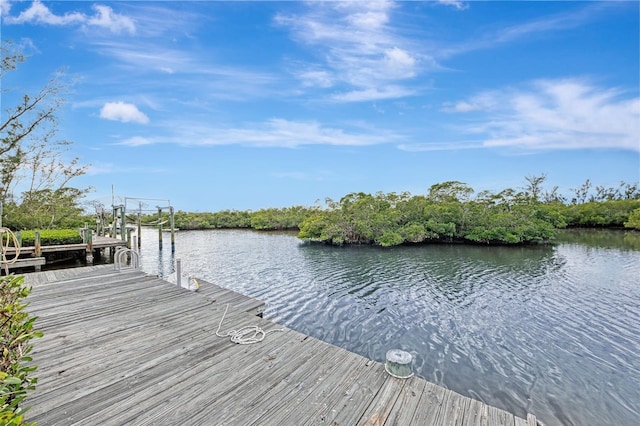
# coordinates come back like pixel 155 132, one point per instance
pixel 359 52
pixel 274 133
pixel 457 4
pixel 442 146
pixel 125 112
pixel 39 13
pixel 548 24
pixel 555 114
pixel 102 168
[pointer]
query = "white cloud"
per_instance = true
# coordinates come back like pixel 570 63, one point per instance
pixel 442 146
pixel 480 102
pixel 5 7
pixel 358 50
pixel 458 4
pixel 556 114
pixel 373 94
pixel 559 22
pixel 136 141
pixel 101 168
pixel 399 63
pixel 106 18
pixel 279 132
pixel 316 78
pixel 121 111
pixel 276 132
pixel 39 13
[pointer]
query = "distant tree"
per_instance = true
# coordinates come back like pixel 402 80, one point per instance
pixel 534 185
pixel 553 196
pixel 450 191
pixel 581 193
pixel 34 177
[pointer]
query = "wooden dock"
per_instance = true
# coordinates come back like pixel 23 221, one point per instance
pixel 36 257
pixel 128 348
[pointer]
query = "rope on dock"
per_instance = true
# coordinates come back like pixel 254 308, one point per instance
pixel 245 335
pixel 11 237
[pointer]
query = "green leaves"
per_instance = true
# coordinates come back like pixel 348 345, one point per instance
pixel 52 237
pixel 16 332
pixel 447 214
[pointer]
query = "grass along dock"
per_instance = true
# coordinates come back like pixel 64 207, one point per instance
pixel 129 348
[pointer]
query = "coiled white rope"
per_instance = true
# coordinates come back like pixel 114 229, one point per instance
pixel 11 237
pixel 245 335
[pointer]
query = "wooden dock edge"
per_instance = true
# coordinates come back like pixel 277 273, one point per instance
pixel 219 295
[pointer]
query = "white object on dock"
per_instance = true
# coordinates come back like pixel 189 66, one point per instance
pixel 399 364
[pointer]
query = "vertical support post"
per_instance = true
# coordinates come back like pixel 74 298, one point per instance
pixel 129 238
pixel 38 246
pixel 160 228
pixel 173 230
pixel 139 225
pixel 135 243
pixel 179 272
pixel 114 227
pixel 123 223
pixel 89 249
pixel 37 249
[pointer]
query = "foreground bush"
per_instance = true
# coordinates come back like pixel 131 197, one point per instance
pixel 16 331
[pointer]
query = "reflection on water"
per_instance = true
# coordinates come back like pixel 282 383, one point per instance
pixel 601 238
pixel 550 330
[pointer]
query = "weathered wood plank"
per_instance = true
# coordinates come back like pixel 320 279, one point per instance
pixel 23 263
pixel 277 396
pixel 127 348
pixel 383 403
pixel 405 407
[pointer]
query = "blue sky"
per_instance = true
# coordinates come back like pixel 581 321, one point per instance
pixel 248 105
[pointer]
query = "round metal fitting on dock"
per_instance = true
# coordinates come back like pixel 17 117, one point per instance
pixel 399 364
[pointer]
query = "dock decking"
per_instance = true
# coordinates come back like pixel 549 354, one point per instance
pixel 36 257
pixel 128 348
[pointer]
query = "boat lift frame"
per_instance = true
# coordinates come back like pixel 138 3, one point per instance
pixel 120 211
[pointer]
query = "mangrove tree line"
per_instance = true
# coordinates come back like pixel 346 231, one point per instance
pixel 449 212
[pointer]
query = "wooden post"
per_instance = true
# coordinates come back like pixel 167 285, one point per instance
pixel 123 224
pixel 173 232
pixel 179 272
pixel 37 249
pixel 129 245
pixel 38 246
pixel 160 228
pixel 139 228
pixel 114 227
pixel 89 249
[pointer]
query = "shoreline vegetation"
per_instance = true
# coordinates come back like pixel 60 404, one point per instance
pixel 451 212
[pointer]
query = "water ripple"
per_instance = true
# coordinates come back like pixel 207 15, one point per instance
pixel 547 330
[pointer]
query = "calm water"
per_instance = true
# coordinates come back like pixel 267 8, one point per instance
pixel 554 331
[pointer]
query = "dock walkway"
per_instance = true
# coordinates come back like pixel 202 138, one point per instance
pixel 129 348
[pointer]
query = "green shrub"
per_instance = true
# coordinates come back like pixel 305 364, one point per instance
pixel 634 219
pixel 51 237
pixel 16 327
